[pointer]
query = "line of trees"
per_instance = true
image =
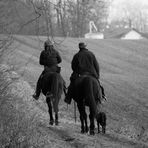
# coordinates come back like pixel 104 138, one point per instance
pixel 52 17
pixel 133 14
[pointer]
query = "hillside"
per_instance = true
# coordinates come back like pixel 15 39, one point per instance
pixel 124 73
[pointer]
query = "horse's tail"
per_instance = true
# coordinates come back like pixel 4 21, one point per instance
pixel 56 89
pixel 54 85
pixel 90 86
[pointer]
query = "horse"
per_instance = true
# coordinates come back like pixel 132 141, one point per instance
pixel 87 92
pixel 52 88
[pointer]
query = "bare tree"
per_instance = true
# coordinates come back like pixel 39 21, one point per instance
pixel 61 18
pixel 82 11
pixel 135 14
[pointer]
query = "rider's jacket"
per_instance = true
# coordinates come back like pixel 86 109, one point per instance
pixel 50 58
pixel 85 62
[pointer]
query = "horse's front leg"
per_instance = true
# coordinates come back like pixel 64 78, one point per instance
pixel 48 101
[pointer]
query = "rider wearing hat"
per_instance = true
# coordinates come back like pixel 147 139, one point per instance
pixel 49 58
pixel 84 62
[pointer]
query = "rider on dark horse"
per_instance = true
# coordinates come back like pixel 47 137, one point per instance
pixel 49 58
pixel 83 63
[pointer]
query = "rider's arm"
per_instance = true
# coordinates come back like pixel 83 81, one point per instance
pixel 97 68
pixel 42 60
pixel 74 63
pixel 59 59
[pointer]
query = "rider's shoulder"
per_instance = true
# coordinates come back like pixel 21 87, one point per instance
pixel 43 51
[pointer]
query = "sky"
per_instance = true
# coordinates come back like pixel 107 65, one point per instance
pixel 116 9
pixel 116 3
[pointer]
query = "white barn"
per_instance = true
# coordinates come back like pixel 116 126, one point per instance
pixel 132 35
pixel 124 34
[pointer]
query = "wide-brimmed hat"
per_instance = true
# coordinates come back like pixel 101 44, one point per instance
pixel 82 45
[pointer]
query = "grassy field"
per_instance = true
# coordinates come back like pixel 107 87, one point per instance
pixel 124 75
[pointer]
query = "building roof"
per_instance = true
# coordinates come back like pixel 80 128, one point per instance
pixel 118 33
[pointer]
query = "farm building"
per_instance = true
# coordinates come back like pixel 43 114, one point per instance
pixel 124 33
pixel 132 34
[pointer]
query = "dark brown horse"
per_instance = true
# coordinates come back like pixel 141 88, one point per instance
pixel 87 92
pixel 53 86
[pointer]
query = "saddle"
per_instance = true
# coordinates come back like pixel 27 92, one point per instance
pixel 75 75
pixel 52 69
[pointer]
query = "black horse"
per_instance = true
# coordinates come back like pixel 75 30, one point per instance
pixel 52 87
pixel 87 92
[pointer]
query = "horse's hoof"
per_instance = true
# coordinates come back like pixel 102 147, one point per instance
pixel 56 122
pixel 51 122
pixel 92 132
pixel 103 131
pixel 82 131
pixel 86 130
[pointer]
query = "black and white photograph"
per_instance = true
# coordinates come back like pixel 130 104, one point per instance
pixel 73 73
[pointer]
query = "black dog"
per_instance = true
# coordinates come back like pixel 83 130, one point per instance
pixel 101 120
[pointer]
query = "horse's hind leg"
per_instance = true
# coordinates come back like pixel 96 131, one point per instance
pixel 56 109
pixel 103 129
pixel 48 100
pixel 56 119
pixel 92 123
pixel 98 126
pixel 86 125
pixel 83 118
pixel 98 122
